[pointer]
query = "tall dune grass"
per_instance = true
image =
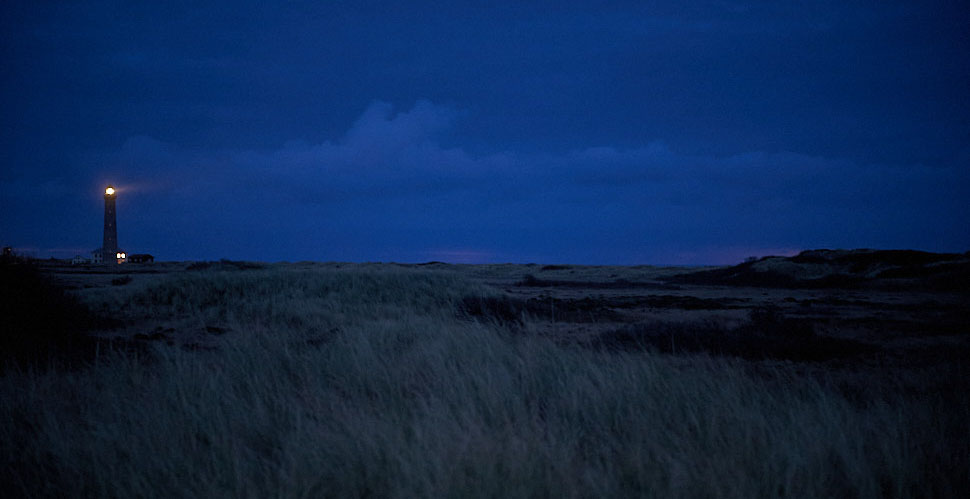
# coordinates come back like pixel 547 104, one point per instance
pixel 370 383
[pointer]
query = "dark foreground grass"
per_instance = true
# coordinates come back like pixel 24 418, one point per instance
pixel 374 383
pixel 42 325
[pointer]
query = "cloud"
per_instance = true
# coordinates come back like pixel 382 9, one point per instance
pixel 388 181
pixel 774 199
pixel 379 129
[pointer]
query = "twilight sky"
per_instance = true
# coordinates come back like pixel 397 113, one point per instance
pixel 567 132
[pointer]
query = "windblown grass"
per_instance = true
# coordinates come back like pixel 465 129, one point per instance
pixel 354 383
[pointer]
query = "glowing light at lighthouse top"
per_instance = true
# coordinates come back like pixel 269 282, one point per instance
pixel 110 190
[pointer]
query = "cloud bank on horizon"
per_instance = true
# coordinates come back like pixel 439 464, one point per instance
pixel 386 190
pixel 760 160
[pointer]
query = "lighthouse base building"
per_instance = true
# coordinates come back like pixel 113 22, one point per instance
pixel 101 255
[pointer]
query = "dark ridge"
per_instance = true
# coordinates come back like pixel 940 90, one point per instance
pixel 766 335
pixel 43 325
pixel 224 264
pixel 532 281
pixel 510 310
pixel 886 269
pixel 745 274
pixel 861 260
pixel 683 302
pixel 608 304
pixel 554 267
pixel 949 276
pixel 507 310
pixel 939 308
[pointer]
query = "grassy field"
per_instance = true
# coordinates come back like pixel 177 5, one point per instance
pixel 389 381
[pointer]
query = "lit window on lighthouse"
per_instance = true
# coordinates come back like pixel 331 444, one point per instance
pixel 109 191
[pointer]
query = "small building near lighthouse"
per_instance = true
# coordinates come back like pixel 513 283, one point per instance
pixel 141 258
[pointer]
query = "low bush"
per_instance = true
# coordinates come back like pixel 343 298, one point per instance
pixel 766 335
pixel 43 325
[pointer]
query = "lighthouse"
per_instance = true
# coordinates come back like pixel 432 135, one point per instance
pixel 109 245
pixel 110 242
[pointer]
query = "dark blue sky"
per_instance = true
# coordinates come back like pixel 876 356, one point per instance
pixel 617 132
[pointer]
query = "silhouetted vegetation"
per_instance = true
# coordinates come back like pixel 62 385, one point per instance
pixel 829 269
pixel 508 310
pixel 546 268
pixel 766 335
pixel 223 265
pixel 863 260
pixel 121 281
pixel 745 274
pixel 530 280
pixel 43 326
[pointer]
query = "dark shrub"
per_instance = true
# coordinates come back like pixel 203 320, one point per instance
pixel 42 324
pixel 224 264
pixel 121 281
pixel 530 280
pixel 766 335
pixel 555 267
